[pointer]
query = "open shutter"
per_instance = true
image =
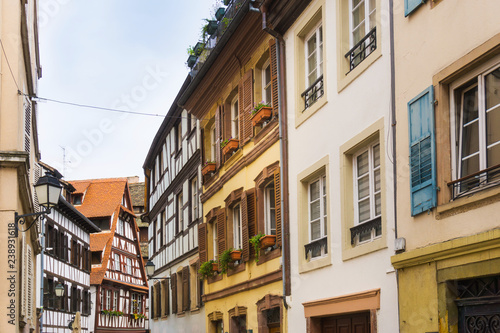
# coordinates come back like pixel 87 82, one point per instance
pixel 251 211
pixel 221 231
pixel 412 5
pixel 277 211
pixel 185 289
pixel 244 227
pixel 166 304
pixel 245 91
pixel 273 63
pixel 202 241
pixel 422 152
pixel 152 307
pixel 227 114
pixel 173 279
pixel 218 137
pixel 200 285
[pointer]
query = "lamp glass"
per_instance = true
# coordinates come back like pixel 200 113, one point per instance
pixel 150 268
pixel 48 189
pixel 59 290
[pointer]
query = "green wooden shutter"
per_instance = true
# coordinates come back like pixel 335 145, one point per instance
pixel 412 5
pixel 422 152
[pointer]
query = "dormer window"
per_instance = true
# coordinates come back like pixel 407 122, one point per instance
pixel 77 199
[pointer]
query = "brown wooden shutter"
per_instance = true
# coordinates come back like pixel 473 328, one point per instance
pixel 185 289
pixel 167 298
pixel 227 115
pixel 221 231
pixel 173 279
pixel 245 102
pixel 273 63
pixel 202 241
pixel 218 136
pixel 200 284
pixel 277 197
pixel 251 206
pixel 65 298
pixel 244 227
pixel 151 302
pixel 203 153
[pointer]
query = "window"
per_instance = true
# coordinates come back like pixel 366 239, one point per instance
pixel 362 19
pixel 317 216
pixel 129 266
pixel 215 240
pixel 213 142
pixel 367 191
pixel 314 66
pixel 270 209
pixel 194 199
pixel 77 199
pixel 235 119
pixel 120 228
pixel 237 236
pixel 117 262
pixel 115 301
pixel 266 82
pixel 477 125
pixel 108 298
pixel 180 213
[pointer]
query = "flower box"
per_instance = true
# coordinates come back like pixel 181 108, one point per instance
pixel 267 241
pixel 230 146
pixel 236 255
pixel 262 115
pixel 198 48
pixel 211 27
pixel 208 168
pixel 191 60
pixel 226 2
pixel 215 266
pixel 219 14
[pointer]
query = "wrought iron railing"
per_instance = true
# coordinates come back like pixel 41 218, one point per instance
pixel 313 93
pixel 362 49
pixel 317 247
pixel 463 186
pixel 364 227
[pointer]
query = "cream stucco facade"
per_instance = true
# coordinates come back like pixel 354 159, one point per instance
pixel 350 278
pixel 445 49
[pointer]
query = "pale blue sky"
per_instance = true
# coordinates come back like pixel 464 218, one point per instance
pixel 127 54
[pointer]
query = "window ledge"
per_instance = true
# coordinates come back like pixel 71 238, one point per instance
pixel 231 160
pixel 195 310
pixel 364 248
pixel 302 115
pixel 181 314
pixel 474 200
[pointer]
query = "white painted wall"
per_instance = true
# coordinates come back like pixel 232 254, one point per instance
pixel 354 109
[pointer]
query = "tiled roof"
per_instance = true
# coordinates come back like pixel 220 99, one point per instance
pixel 99 240
pixel 101 197
pixel 137 193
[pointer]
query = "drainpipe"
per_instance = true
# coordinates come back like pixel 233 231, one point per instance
pixel 393 125
pixel 280 61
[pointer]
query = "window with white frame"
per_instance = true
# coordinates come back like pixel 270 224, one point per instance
pixel 180 212
pixel 317 204
pixel 115 301
pixel 117 262
pixel 266 82
pixel 120 228
pixel 237 232
pixel 314 66
pixel 235 118
pixel 108 300
pixel 367 191
pixel 214 240
pixel 129 266
pixel 477 123
pixel 362 19
pixel 213 142
pixel 270 209
pixel 194 198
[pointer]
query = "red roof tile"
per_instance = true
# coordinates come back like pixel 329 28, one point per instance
pixel 99 240
pixel 101 197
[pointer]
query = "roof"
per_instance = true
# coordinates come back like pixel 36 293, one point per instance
pixel 101 196
pixel 137 193
pixel 78 218
pixel 98 241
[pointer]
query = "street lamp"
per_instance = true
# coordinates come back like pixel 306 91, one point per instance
pixel 59 290
pixel 150 270
pixel 48 189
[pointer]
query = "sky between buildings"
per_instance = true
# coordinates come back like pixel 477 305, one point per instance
pixel 127 55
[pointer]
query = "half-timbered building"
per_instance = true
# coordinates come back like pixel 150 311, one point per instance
pixel 173 178
pixel 118 281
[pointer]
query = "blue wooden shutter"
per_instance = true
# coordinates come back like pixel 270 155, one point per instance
pixel 422 152
pixel 411 5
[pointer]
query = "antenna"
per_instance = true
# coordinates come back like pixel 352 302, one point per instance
pixel 64 159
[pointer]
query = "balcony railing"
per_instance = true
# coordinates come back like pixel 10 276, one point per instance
pixel 365 227
pixel 484 178
pixel 317 247
pixel 313 93
pixel 362 49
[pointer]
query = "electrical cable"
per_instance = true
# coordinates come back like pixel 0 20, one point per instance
pixel 8 64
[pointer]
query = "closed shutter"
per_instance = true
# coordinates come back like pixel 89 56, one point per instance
pixel 221 231
pixel 245 91
pixel 27 127
pixel 251 211
pixel 422 152
pixel 79 300
pixel 152 302
pixel 273 63
pixel 202 241
pixel 227 115
pixel 65 298
pixel 412 5
pixel 166 304
pixel 173 279
pixel 185 289
pixel 65 248
pixel 277 211
pixel 200 285
pixel 218 136
pixel 245 247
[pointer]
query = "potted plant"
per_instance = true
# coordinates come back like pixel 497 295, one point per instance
pixel 255 241
pixel 191 61
pixel 198 48
pixel 229 145
pixel 261 112
pixel 224 260
pixel 208 167
pixel 267 241
pixel 211 27
pixel 236 255
pixel 226 2
pixel 219 14
pixel 106 312
pixel 207 269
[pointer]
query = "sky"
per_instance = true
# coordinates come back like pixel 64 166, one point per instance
pixel 127 55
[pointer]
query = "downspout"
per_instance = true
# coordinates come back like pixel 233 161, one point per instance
pixel 393 125
pixel 282 137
